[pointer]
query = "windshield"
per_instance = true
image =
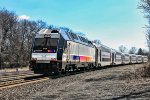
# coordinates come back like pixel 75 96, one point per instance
pixel 51 42
pixel 48 45
pixel 40 41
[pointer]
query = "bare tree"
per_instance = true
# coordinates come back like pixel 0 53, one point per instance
pixel 8 23
pixel 132 50
pixel 0 43
pixel 16 38
pixel 41 24
pixel 145 5
pixel 27 30
pixel 122 49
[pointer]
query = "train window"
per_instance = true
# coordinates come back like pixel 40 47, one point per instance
pixel 74 36
pixel 105 49
pixel 127 55
pixel 84 40
pixel 80 38
pixel 40 41
pixel 71 35
pixel 68 35
pixel 89 42
pixel 48 43
pixel 133 56
pixel 106 56
pixel 106 59
pixel 52 42
pixel 118 57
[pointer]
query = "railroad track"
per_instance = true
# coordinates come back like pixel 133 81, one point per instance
pixel 19 79
pixel 83 71
pixel 15 73
pixel 74 73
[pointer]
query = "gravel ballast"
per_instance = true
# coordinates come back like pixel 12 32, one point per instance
pixel 111 83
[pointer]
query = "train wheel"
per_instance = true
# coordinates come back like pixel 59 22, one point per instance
pixel 75 68
pixel 88 67
pixel 67 69
pixel 62 71
pixel 57 73
pixel 82 68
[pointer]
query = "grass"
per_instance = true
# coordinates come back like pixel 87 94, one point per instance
pixel 139 73
pixel 146 70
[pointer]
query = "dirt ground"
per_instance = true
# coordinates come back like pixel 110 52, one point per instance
pixel 106 84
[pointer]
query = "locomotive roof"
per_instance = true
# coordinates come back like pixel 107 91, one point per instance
pixel 70 36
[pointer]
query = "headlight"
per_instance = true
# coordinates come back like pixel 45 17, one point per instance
pixel 33 58
pixel 53 59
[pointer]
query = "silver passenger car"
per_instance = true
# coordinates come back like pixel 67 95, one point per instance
pixel 125 58
pixel 104 55
pixel 139 58
pixel 132 58
pixel 144 59
pixel 117 57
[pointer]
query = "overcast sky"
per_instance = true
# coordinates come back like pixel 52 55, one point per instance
pixel 113 22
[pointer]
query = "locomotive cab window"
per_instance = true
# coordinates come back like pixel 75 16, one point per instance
pixel 48 45
pixel 51 42
pixel 40 41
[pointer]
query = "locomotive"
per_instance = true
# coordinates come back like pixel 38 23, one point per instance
pixel 59 51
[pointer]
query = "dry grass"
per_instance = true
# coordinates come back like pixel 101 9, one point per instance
pixel 122 82
pixel 139 73
pixel 146 70
pixel 143 72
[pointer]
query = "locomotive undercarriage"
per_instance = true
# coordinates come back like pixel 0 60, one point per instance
pixel 55 68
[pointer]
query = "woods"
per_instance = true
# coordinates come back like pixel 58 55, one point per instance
pixel 145 5
pixel 16 37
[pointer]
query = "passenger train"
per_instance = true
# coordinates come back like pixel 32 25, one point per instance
pixel 58 51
